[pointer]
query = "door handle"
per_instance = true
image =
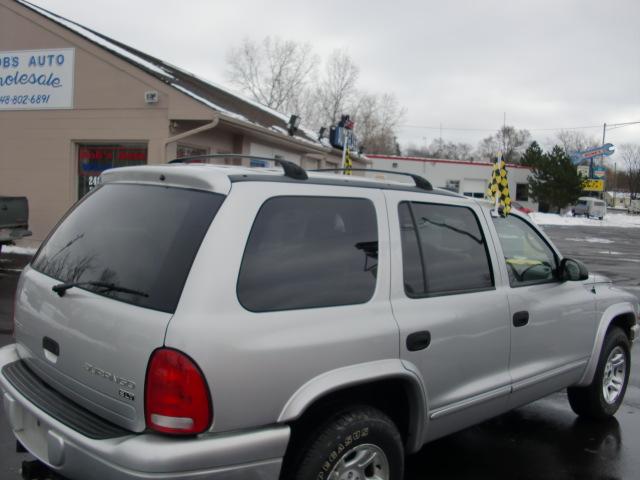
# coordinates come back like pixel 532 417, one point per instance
pixel 520 319
pixel 418 341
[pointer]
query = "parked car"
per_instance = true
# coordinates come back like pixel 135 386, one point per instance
pixel 14 220
pixel 199 321
pixel 634 206
pixel 521 208
pixel 590 207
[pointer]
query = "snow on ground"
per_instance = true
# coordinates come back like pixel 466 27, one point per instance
pixel 18 250
pixel 610 220
pixel 590 240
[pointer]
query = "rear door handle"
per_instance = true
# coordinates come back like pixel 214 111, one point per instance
pixel 520 319
pixel 418 341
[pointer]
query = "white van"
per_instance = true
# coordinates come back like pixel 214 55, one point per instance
pixel 590 207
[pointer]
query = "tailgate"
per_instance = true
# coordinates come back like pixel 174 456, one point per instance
pixel 122 256
pixel 90 348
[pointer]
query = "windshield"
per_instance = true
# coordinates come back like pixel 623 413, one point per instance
pixel 139 239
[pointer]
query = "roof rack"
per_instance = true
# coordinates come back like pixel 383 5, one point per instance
pixel 291 170
pixel 421 182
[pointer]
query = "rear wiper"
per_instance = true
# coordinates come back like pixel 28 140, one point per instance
pixel 61 288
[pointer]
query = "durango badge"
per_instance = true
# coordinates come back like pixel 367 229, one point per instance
pixel 123 382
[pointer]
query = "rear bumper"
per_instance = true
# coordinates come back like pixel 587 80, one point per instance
pixel 247 455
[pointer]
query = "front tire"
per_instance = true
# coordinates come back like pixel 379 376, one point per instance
pixel 360 443
pixel 604 396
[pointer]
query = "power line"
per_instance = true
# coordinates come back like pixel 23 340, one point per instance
pixel 613 126
pixel 463 129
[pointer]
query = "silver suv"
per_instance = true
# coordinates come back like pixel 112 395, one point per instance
pixel 199 321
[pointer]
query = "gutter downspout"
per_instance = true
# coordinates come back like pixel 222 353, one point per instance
pixel 188 133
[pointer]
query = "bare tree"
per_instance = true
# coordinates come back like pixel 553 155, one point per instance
pixel 337 90
pixel 630 154
pixel 376 117
pixel 281 74
pixel 444 150
pixel 509 141
pixel 274 73
pixel 574 141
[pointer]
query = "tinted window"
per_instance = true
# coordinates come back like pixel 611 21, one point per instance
pixel 139 237
pixel 443 250
pixel 529 259
pixel 306 252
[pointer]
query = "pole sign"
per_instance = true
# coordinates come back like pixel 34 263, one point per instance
pixel 603 151
pixel 37 79
pixel 593 185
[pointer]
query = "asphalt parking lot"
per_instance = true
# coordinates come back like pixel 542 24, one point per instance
pixel 543 440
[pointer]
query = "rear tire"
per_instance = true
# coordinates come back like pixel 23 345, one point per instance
pixel 603 397
pixel 360 442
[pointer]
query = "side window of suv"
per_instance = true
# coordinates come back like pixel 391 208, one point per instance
pixel 306 252
pixel 443 250
pixel 529 259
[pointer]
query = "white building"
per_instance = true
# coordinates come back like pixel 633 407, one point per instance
pixel 468 178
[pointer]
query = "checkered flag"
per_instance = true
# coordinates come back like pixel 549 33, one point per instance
pixel 498 190
pixel 348 164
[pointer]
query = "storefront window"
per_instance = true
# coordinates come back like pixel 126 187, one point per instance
pixel 95 159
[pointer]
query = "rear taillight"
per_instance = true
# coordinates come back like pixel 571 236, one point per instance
pixel 176 396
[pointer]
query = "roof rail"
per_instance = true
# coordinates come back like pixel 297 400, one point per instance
pixel 421 182
pixel 291 170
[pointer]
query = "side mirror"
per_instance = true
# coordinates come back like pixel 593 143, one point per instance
pixel 573 270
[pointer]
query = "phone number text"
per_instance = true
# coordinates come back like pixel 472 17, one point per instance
pixel 24 99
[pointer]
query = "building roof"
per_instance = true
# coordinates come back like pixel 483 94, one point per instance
pixel 441 160
pixel 216 97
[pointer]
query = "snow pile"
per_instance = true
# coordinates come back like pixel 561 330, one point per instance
pixel 18 250
pixel 610 220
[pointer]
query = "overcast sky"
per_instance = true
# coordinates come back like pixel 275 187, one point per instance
pixel 461 64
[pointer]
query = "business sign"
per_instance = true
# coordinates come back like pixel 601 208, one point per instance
pixel 36 79
pixel 593 185
pixel 603 151
pixel 583 170
pixel 599 172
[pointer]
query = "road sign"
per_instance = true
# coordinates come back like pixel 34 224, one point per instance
pixel 593 185
pixel 599 172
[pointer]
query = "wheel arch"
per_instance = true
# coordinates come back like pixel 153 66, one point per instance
pixel 619 315
pixel 372 384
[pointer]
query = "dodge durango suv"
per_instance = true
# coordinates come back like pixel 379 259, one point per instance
pixel 192 321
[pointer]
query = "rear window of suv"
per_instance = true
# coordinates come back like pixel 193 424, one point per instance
pixel 306 252
pixel 136 237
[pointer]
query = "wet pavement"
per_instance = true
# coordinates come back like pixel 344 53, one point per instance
pixel 543 440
